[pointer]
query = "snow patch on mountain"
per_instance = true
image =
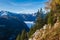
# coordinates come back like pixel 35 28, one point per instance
pixel 3 13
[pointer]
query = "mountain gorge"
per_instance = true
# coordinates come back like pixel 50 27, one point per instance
pixel 11 25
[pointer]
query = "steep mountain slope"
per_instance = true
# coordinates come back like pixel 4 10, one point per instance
pixel 28 17
pixel 48 33
pixel 10 27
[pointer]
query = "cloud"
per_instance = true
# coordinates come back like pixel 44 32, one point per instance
pixel 20 4
pixel 28 7
pixel 27 11
pixel 26 4
pixel 22 7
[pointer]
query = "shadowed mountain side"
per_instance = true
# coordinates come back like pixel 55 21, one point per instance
pixel 10 27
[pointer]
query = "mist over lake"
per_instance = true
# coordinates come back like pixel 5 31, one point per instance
pixel 29 23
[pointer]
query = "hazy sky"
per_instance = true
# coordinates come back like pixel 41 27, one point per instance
pixel 22 6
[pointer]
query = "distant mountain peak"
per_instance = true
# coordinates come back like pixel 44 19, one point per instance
pixel 3 13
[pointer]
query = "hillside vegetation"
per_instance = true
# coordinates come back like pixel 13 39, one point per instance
pixel 51 28
pixel 47 27
pixel 47 33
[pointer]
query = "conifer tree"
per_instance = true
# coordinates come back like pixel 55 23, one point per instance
pixel 22 36
pixel 18 37
pixel 50 18
pixel 38 23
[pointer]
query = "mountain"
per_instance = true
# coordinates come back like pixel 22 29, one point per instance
pixel 28 17
pixel 12 23
pixel 20 16
pixel 11 14
pixel 10 27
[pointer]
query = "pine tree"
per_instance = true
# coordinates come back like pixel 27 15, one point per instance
pixel 31 31
pixel 22 36
pixel 38 23
pixel 50 18
pixel 18 37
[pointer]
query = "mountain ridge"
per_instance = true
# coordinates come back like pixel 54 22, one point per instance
pixel 11 26
pixel 24 17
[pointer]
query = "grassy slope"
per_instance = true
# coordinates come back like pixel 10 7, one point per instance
pixel 53 33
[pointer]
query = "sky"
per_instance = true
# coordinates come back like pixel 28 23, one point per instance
pixel 22 6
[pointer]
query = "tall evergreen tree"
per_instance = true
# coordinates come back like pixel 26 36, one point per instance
pixel 38 23
pixel 50 18
pixel 23 36
pixel 18 37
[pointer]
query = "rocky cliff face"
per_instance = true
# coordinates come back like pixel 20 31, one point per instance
pixel 47 32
